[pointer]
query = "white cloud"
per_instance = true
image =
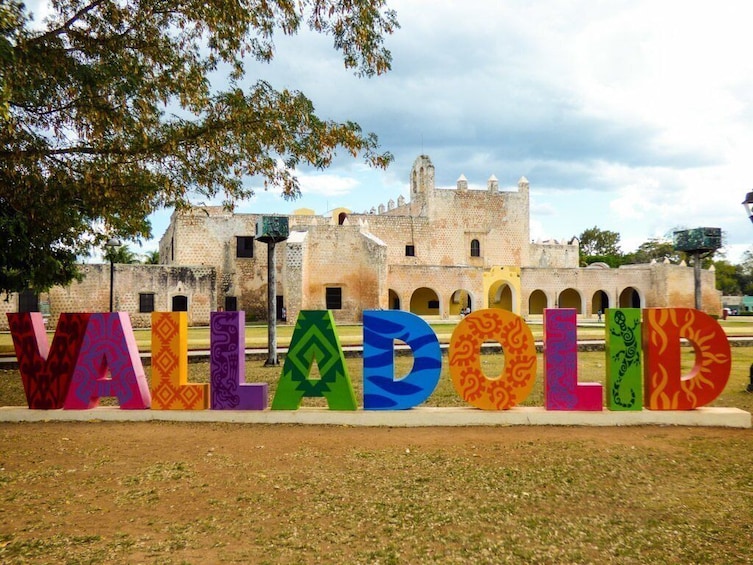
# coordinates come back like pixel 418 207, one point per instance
pixel 327 184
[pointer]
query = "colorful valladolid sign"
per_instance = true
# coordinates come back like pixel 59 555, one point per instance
pixel 95 355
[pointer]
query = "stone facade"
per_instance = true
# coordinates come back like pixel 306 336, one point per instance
pixel 434 255
pixel 163 287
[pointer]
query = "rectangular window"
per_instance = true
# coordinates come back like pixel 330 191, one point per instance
pixel 146 302
pixel 410 250
pixel 433 304
pixel 244 246
pixel 334 298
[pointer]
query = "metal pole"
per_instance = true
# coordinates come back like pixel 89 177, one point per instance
pixel 271 305
pixel 112 280
pixel 697 277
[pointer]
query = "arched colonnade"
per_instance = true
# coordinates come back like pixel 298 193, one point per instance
pixel 426 301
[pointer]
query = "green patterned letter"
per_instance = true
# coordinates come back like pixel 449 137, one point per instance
pixel 623 351
pixel 314 338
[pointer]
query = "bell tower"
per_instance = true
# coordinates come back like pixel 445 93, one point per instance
pixel 421 182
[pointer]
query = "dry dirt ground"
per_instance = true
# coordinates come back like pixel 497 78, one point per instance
pixel 100 492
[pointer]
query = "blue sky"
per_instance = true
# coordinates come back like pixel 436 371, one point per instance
pixel 633 116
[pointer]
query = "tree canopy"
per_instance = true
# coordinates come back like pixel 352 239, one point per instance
pixel 655 249
pixel 121 254
pixel 107 113
pixel 151 258
pixel 600 245
pixel 730 279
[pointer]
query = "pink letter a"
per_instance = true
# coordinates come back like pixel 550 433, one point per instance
pixel 109 343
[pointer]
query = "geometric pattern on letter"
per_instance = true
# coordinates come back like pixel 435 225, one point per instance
pixel 381 391
pixel 46 372
pixel 228 365
pixel 664 386
pixel 314 339
pixel 515 382
pixel 562 391
pixel 623 359
pixel 109 349
pixel 170 387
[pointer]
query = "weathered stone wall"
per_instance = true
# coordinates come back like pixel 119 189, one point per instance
pixel 342 257
pixel 553 255
pixel 678 284
pixel 92 294
pixel 442 236
pixel 295 272
pixel 333 255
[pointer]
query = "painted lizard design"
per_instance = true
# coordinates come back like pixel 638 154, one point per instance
pixel 628 356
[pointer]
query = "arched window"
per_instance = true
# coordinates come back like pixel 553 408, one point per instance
pixel 180 303
pixel 475 248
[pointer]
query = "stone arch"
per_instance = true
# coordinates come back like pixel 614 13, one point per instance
pixel 537 302
pixel 340 216
pixel 495 294
pixel 425 302
pixel 501 296
pixel 460 300
pixel 600 301
pixel 630 298
pixel 393 300
pixel 570 298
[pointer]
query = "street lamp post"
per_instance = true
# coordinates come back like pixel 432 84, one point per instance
pixel 748 205
pixel 700 243
pixel 272 230
pixel 113 244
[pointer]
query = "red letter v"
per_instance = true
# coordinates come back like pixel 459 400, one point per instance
pixel 46 372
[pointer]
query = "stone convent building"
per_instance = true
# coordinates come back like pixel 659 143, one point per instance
pixel 435 255
pixel 441 252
